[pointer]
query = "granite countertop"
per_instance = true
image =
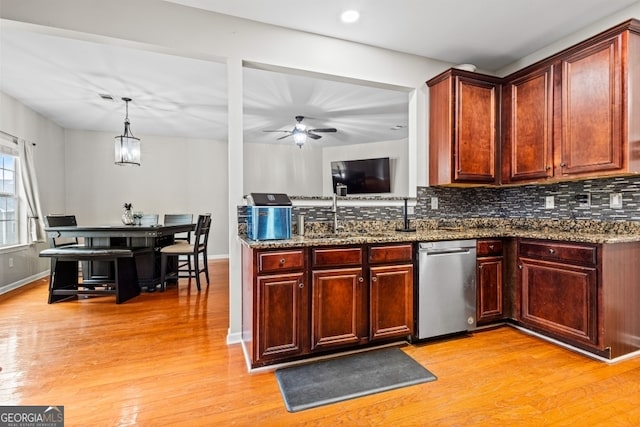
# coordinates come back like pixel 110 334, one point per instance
pixel 357 233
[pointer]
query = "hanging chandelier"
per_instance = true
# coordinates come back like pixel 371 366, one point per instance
pixel 127 146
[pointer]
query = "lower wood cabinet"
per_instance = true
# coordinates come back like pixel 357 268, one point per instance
pixel 560 290
pixel 489 298
pixel 281 311
pixel 337 308
pixel 391 275
pixel 303 301
pixel 275 304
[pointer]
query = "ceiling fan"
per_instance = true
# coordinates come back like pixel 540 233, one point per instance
pixel 300 132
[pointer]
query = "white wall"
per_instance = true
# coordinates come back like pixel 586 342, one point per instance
pixel 280 168
pixel 18 120
pixel 176 175
pixel 395 150
pixel 288 169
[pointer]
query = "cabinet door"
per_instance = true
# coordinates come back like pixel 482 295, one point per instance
pixel 337 305
pixel 489 296
pixel 475 130
pixel 282 307
pixel 528 148
pixel 560 299
pixel 463 124
pixel 592 132
pixel 391 301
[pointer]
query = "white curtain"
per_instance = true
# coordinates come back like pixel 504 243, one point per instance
pixel 35 220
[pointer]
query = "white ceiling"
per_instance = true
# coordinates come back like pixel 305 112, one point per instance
pixel 62 78
pixel 488 33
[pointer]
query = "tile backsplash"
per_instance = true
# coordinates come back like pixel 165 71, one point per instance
pixel 529 201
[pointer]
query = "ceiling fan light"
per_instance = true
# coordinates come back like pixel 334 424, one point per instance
pixel 299 138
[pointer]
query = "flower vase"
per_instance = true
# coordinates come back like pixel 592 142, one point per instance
pixel 127 217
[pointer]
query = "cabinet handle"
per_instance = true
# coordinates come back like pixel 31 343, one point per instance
pixel 301 285
pixel 459 170
pixel 552 251
pixel 480 267
pixel 520 266
pixel 563 164
pixel 374 279
pixel 282 261
pixel 491 247
pixel 548 167
pixel 360 279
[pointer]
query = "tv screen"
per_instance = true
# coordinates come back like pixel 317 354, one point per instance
pixel 362 176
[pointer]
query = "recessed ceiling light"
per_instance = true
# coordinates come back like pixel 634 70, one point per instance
pixel 350 16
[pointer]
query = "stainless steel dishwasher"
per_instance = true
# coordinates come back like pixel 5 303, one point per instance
pixel 446 288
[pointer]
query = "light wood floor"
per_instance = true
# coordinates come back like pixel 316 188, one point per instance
pixel 161 359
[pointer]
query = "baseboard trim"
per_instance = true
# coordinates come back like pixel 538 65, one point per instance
pixel 576 349
pixel 15 285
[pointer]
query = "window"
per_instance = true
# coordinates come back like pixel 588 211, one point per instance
pixel 8 198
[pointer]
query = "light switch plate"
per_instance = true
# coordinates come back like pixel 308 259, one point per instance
pixel 549 202
pixel 434 203
pixel 615 200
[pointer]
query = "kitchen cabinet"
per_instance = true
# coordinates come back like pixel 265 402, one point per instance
pixel 463 128
pixel 489 281
pixel 275 304
pixel 559 289
pixel 575 114
pixel 527 153
pixel 391 291
pixel 339 297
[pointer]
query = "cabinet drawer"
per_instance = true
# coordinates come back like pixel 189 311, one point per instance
pixel 281 260
pixel 489 247
pixel 390 253
pixel 574 253
pixel 336 256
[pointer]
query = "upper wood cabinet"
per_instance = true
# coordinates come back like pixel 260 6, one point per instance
pixel 577 113
pixel 463 128
pixel 527 105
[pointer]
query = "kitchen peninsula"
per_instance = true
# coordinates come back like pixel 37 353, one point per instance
pixel 576 282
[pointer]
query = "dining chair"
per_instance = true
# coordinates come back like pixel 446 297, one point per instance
pixel 196 252
pixel 184 262
pixel 149 219
pixel 177 219
pixel 60 220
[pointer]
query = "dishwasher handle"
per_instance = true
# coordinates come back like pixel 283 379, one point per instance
pixel 448 251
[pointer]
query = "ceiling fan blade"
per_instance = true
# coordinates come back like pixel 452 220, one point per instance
pixel 288 131
pixel 324 130
pixel 313 135
pixel 283 137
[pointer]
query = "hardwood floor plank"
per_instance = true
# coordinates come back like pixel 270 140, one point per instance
pixel 161 359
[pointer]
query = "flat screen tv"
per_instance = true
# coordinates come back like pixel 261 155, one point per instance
pixel 362 176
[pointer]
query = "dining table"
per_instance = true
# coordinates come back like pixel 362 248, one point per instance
pixel 124 236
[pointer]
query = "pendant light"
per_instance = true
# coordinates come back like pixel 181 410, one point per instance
pixel 127 146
